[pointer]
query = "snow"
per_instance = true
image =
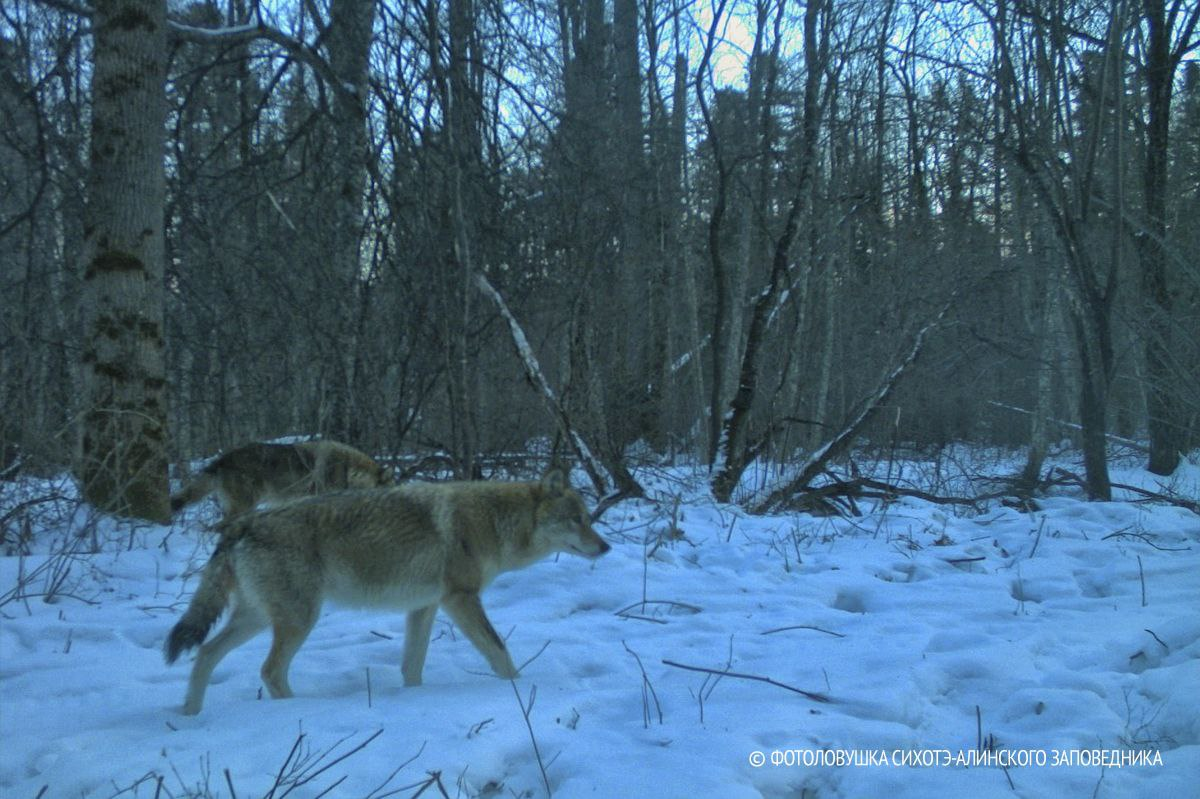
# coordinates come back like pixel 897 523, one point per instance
pixel 928 628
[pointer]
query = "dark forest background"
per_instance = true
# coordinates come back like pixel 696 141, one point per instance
pixel 729 229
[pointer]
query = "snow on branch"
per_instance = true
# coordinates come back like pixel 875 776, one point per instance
pixel 815 463
pixel 601 479
pixel 686 358
pixel 1129 442
pixel 248 30
pixel 258 30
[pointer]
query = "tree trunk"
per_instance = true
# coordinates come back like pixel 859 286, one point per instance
pixel 677 172
pixel 823 386
pixel 878 195
pixel 721 291
pixel 123 461
pixel 1067 203
pixel 1045 348
pixel 1093 402
pixel 349 37
pixel 1167 436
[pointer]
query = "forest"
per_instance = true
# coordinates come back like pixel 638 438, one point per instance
pixel 721 232
pixel 868 332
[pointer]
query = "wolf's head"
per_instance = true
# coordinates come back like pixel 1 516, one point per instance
pixel 562 523
pixel 383 476
pixel 366 472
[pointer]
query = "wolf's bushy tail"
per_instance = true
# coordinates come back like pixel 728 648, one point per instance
pixel 195 489
pixel 207 604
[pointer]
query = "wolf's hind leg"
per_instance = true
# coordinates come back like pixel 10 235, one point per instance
pixel 416 642
pixel 244 622
pixel 467 612
pixel 288 633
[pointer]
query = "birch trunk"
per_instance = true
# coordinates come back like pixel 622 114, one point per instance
pixel 122 460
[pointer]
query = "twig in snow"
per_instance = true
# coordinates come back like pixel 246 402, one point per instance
pixel 283 766
pixel 755 677
pixel 646 687
pixel 1038 540
pixel 536 655
pixel 801 627
pixel 1008 777
pixel 435 778
pixel 642 618
pixel 1144 539
pixel 1142 577
pixel 299 768
pixel 375 794
pixel 690 609
pixel 1156 638
pixel 525 711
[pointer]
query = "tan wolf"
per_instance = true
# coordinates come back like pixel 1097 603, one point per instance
pixel 259 472
pixel 413 548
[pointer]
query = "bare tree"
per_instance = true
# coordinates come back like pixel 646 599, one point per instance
pixel 349 36
pixel 736 446
pixel 1066 191
pixel 1169 37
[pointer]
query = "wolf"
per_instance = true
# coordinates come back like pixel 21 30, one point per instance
pixel 413 547
pixel 259 472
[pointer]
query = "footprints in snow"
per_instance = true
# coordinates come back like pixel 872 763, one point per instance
pixel 849 601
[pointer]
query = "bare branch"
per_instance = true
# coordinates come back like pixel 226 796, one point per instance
pixel 599 475
pixel 835 446
pixel 78 9
pixel 755 677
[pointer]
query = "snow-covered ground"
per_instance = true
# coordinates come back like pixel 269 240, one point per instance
pixel 963 652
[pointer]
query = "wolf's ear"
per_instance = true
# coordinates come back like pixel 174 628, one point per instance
pixel 554 481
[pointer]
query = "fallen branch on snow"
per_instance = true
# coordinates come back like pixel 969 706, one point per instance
pixel 755 677
pixel 1063 477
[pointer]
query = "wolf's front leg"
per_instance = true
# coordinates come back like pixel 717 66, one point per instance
pixel 467 612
